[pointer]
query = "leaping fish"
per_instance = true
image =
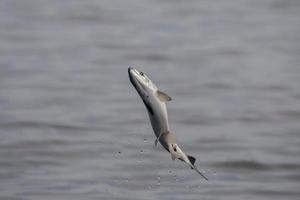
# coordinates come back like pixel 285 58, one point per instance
pixel 155 102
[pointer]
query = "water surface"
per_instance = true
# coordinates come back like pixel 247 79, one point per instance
pixel 73 127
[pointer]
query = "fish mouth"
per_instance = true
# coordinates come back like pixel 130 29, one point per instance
pixel 133 73
pixel 134 80
pixel 130 69
pixel 130 74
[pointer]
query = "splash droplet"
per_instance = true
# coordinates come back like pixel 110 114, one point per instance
pixel 158 180
pixel 175 178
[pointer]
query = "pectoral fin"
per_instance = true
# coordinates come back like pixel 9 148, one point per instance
pixel 160 135
pixel 163 96
pixel 157 139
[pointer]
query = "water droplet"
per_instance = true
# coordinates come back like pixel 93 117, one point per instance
pixel 145 140
pixel 119 152
pixel 158 180
pixel 170 171
pixel 175 178
pixel 141 151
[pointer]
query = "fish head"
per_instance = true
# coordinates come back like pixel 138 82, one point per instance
pixel 141 82
pixel 177 153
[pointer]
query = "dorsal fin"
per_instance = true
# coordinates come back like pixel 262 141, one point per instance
pixel 192 159
pixel 163 96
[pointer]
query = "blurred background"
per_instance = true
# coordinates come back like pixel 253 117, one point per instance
pixel 73 127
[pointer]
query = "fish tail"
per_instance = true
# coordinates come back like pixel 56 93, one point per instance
pixel 196 169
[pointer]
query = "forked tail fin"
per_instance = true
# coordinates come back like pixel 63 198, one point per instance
pixel 193 160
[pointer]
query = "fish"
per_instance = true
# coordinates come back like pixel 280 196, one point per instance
pixel 155 102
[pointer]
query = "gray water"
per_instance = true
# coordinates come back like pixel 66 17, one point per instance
pixel 73 127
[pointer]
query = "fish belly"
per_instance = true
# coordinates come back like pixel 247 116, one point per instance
pixel 159 124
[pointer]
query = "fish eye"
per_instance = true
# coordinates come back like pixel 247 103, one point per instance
pixel 174 147
pixel 141 73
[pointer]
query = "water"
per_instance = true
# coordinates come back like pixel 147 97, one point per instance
pixel 72 126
